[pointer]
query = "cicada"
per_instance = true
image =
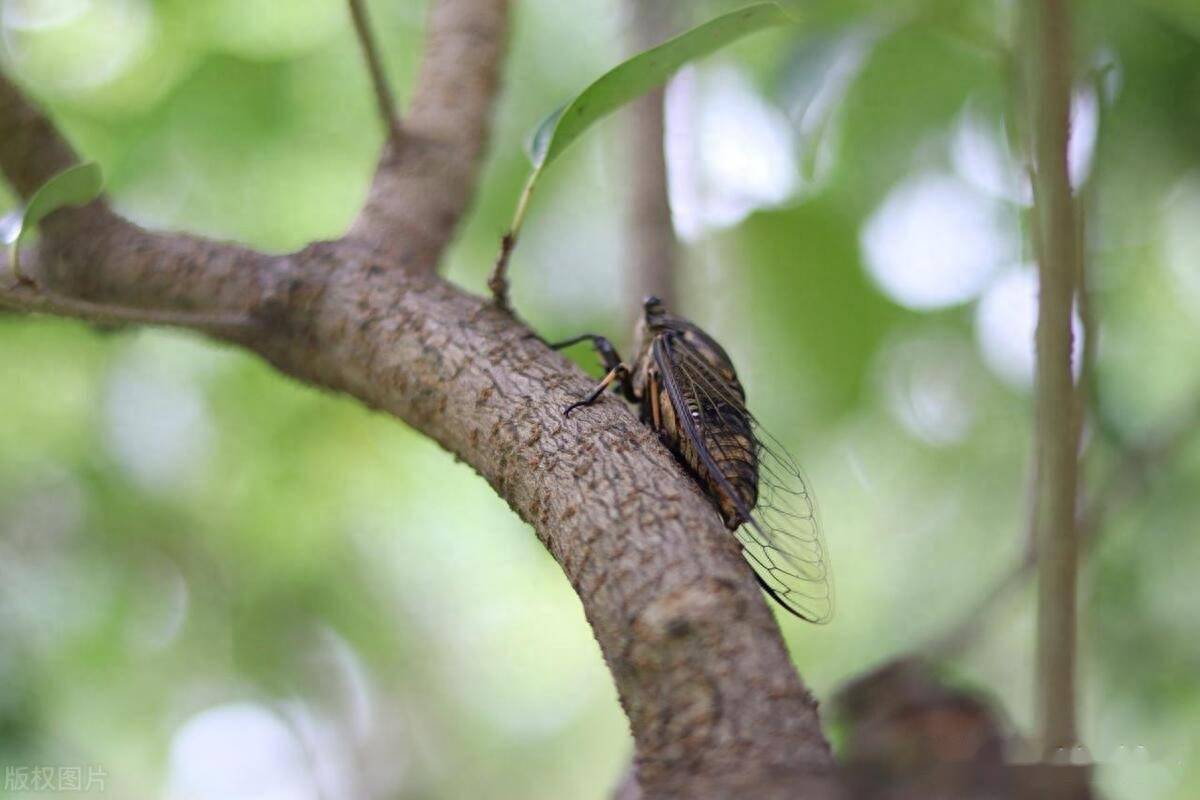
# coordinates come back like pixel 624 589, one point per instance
pixel 687 390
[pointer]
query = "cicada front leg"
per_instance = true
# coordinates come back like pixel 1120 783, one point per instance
pixel 618 370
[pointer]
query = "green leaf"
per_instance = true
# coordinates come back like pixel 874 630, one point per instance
pixel 74 186
pixel 614 89
pixel 642 73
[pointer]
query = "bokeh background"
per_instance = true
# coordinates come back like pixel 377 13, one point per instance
pixel 217 583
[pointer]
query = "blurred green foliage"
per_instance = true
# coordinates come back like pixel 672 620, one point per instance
pixel 207 570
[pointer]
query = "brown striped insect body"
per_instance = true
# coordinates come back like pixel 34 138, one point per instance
pixel 688 391
pixel 722 428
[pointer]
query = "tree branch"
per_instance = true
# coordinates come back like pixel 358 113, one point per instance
pixel 697 657
pixel 427 173
pixel 379 82
pixel 32 299
pixel 1057 443
pixel 92 262
pixel 31 149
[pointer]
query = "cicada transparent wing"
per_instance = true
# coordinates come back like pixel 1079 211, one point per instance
pixel 780 533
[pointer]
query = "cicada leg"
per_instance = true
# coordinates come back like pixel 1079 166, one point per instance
pixel 618 373
pixel 618 370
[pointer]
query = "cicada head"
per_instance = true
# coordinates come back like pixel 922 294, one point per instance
pixel 652 307
pixel 653 313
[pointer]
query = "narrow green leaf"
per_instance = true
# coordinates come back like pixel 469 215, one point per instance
pixel 615 88
pixel 643 72
pixel 74 186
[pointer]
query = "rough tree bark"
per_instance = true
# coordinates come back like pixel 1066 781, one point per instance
pixel 701 669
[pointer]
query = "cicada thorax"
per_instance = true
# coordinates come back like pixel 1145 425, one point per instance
pixel 708 428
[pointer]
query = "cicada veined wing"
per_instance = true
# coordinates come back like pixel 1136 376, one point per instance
pixel 778 524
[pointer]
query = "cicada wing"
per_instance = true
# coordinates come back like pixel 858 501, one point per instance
pixel 783 540
pixel 781 536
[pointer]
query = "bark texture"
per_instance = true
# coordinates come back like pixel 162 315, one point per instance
pixel 698 660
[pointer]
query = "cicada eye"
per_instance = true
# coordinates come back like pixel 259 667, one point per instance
pixel 652 304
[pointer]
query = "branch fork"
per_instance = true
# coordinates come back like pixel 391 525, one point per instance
pixel 697 657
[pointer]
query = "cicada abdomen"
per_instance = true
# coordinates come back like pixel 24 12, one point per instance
pixel 689 392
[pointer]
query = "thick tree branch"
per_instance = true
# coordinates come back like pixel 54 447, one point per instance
pixel 94 265
pixel 427 173
pixel 676 613
pixel 374 59
pixel 33 299
pixel 696 655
